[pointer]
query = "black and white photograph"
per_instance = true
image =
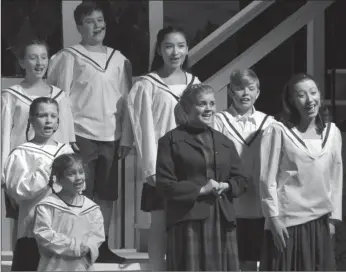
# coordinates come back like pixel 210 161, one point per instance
pixel 173 135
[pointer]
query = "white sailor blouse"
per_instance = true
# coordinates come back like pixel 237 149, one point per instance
pixel 25 177
pixel 60 230
pixel 299 184
pixel 98 92
pixel 246 134
pixel 151 106
pixel 15 105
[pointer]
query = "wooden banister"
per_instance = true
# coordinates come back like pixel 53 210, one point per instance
pixel 227 30
pixel 269 42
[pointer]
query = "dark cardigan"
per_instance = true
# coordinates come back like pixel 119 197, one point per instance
pixel 181 173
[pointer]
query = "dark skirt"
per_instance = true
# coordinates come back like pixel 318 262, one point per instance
pixel 250 234
pixel 339 240
pixel 203 245
pixel 309 248
pixel 150 200
pixel 26 256
pixel 12 210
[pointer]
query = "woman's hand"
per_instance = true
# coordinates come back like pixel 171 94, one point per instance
pixel 279 232
pixel 212 186
pixel 223 187
pixel 331 228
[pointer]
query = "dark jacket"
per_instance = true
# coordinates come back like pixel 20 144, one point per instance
pixel 181 173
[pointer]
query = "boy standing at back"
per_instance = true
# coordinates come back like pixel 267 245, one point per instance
pixel 244 125
pixel 97 79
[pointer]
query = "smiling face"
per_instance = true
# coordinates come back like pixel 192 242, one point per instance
pixel 307 99
pixel 73 179
pixel 203 110
pixel 35 61
pixel 245 95
pixel 173 50
pixel 45 120
pixel 93 28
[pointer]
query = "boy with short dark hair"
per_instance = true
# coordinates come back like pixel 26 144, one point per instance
pixel 97 79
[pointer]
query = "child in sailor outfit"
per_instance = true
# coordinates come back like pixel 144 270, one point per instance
pixel 68 226
pixel 25 177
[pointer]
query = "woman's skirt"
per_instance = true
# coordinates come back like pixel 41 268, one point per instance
pixel 26 256
pixel 203 245
pixel 309 248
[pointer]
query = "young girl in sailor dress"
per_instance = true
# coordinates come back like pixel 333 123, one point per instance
pixel 68 226
pixel 151 103
pixel 301 183
pixel 16 100
pixel 15 103
pixel 25 177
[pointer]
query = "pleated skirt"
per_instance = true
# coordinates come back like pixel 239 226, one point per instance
pixel 309 248
pixel 203 245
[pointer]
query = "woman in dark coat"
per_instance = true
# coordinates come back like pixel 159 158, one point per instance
pixel 198 174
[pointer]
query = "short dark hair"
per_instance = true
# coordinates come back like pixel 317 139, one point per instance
pixel 84 9
pixel 290 114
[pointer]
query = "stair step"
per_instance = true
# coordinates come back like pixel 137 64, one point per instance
pixel 6 267
pixel 137 261
pixel 130 254
pixel 117 267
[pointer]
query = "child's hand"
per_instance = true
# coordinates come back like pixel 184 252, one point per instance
pixel 84 249
pixel 279 232
pixel 75 147
pixel 37 163
pixel 123 151
pixel 45 167
pixel 151 180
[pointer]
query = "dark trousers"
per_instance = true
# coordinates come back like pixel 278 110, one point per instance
pixel 101 159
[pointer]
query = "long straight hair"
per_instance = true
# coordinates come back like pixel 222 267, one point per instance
pixel 158 60
pixel 291 116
